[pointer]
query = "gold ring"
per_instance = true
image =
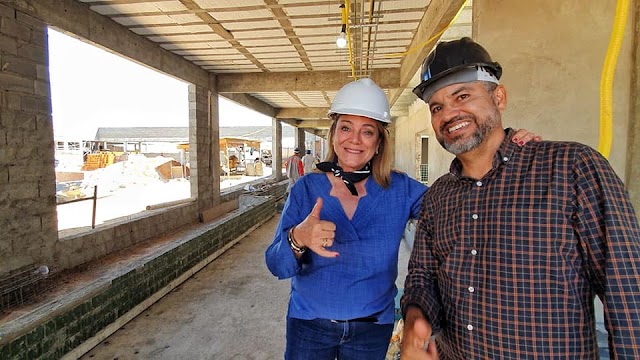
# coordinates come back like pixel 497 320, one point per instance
pixel 324 242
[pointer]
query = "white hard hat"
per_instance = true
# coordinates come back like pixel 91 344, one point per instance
pixel 364 98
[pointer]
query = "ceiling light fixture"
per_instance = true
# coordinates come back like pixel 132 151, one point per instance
pixel 341 41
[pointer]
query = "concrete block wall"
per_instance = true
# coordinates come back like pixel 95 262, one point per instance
pixel 28 222
pixel 76 250
pixel 86 316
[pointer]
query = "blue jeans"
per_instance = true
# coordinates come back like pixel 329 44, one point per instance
pixel 323 339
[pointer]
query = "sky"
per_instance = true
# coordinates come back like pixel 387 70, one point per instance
pixel 93 88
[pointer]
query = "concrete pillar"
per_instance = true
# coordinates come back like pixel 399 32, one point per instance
pixel 299 140
pixel 214 130
pixel 392 141
pixel 28 219
pixel 276 149
pixel 205 185
pixel 633 149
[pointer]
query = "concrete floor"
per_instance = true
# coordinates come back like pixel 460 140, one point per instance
pixel 231 309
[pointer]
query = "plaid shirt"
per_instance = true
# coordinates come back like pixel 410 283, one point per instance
pixel 508 266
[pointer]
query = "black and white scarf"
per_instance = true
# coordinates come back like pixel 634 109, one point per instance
pixel 349 178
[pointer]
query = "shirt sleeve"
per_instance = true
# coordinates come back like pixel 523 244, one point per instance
pixel 420 287
pixel 279 257
pixel 416 194
pixel 609 235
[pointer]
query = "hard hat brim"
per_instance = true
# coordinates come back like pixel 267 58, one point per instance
pixel 428 87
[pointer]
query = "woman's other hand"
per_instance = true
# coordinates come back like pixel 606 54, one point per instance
pixel 523 136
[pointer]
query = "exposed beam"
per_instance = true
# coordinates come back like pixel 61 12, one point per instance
pixel 438 15
pixel 221 31
pixel 302 113
pixel 299 81
pixel 323 133
pixel 308 124
pixel 76 18
pixel 251 103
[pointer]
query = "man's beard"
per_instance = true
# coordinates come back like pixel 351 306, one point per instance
pixel 459 146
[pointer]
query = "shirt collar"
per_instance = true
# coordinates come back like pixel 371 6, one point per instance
pixel 502 156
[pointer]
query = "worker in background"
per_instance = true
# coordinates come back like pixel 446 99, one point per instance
pixel 294 168
pixel 308 161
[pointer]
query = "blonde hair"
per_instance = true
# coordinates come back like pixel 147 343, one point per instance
pixel 381 161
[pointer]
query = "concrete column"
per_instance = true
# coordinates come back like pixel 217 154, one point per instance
pixel 276 149
pixel 392 142
pixel 214 131
pixel 299 141
pixel 28 219
pixel 200 148
pixel 633 149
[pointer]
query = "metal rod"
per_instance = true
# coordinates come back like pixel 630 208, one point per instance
pixel 95 200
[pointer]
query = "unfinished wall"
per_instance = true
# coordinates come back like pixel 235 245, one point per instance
pixel 409 129
pixel 74 322
pixel 28 224
pixel 552 61
pixel 27 178
pixel 633 151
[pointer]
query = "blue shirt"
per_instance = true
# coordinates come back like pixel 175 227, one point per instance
pixel 361 281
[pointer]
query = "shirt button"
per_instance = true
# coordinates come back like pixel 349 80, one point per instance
pixel 505 159
pixel 470 327
pixel 474 216
pixel 479 183
pixel 474 252
pixel 471 289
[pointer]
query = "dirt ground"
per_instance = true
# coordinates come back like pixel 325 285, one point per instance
pixel 132 197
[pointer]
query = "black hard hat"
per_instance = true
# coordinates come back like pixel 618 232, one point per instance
pixel 450 57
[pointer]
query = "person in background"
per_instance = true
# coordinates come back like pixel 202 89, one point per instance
pixel 514 244
pixel 294 168
pixel 308 161
pixel 339 234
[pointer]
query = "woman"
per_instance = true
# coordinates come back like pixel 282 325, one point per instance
pixel 339 234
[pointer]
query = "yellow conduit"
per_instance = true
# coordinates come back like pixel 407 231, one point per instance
pixel 606 79
pixel 431 39
pixel 345 18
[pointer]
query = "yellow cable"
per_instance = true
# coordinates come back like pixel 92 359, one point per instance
pixel 345 17
pixel 606 79
pixel 437 35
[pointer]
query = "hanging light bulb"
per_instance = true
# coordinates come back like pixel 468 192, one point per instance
pixel 341 41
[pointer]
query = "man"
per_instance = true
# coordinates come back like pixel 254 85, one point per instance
pixel 514 243
pixel 294 168
pixel 307 162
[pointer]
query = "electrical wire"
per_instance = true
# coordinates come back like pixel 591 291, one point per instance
pixel 434 37
pixel 606 79
pixel 345 18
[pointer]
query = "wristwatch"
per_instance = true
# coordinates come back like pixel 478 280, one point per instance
pixel 292 243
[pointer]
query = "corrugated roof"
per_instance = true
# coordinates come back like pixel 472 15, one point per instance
pixel 181 134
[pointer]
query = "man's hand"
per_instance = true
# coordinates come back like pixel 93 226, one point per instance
pixel 417 341
pixel 315 234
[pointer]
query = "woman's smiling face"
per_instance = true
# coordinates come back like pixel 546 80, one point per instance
pixel 355 142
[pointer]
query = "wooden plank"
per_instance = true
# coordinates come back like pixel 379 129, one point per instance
pixel 219 210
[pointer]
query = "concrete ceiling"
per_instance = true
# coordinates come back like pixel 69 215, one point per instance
pixel 283 53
